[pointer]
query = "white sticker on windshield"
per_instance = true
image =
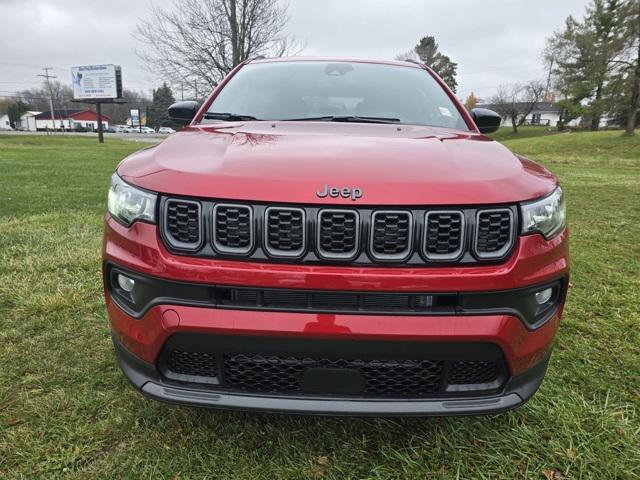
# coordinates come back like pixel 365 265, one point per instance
pixel 445 111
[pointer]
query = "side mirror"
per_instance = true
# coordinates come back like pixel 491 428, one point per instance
pixel 486 120
pixel 183 112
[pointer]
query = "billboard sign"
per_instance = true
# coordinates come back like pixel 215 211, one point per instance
pixel 96 82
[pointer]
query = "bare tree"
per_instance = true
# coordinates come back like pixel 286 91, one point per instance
pixel 199 41
pixel 517 101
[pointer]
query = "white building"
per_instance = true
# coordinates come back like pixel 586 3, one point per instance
pixel 70 120
pixel 543 114
pixel 27 121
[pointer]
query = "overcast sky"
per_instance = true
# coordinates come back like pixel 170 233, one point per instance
pixel 494 43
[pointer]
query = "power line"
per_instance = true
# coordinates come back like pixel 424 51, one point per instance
pixel 26 65
pixel 509 67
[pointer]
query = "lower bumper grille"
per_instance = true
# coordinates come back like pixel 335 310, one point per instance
pixel 273 374
pixel 274 371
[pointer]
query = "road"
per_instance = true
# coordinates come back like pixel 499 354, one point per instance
pixel 135 137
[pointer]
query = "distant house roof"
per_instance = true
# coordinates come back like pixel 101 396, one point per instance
pixel 540 107
pixel 70 113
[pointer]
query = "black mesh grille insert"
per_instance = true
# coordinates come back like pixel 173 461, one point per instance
pixel 274 374
pixel 285 231
pixel 338 233
pixel 293 366
pixel 444 234
pixel 183 223
pixel 493 232
pixel 471 372
pixel 233 228
pixel 192 363
pixel 391 234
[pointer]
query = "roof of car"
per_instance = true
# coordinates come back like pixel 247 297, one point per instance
pixel 400 63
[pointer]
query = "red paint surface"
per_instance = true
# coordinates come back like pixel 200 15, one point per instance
pixel 139 248
pixel 522 349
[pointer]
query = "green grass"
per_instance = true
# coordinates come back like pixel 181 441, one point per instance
pixel 67 411
pixel 506 133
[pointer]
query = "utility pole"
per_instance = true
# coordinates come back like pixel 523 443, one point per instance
pixel 47 77
pixel 546 92
pixel 181 90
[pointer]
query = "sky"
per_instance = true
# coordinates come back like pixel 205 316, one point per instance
pixel 494 43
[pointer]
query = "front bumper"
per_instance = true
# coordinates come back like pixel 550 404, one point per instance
pixel 146 378
pixel 140 339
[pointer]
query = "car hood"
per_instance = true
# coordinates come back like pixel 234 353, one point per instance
pixel 291 161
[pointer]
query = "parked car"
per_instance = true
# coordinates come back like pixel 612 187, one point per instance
pixel 120 128
pixel 131 129
pixel 167 130
pixel 147 130
pixel 335 237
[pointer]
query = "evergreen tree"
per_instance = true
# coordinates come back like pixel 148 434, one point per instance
pixel 157 112
pixel 15 110
pixel 586 55
pixel 630 72
pixel 428 53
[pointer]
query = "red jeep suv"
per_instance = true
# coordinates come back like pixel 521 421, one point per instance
pixel 334 236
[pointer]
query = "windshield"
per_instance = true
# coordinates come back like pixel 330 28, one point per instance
pixel 335 91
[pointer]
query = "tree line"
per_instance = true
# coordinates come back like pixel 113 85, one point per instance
pixel 595 64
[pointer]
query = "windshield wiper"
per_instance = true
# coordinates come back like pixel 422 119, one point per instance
pixel 345 118
pixel 231 117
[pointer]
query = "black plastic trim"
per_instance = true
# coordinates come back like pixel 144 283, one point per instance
pixel 448 353
pixel 151 291
pixel 363 256
pixel 166 236
pixel 148 381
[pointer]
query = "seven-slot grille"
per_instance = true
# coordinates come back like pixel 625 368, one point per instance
pixel 356 235
pixel 391 235
pixel 444 235
pixel 232 228
pixel 285 231
pixel 338 233
pixel 494 231
pixel 183 226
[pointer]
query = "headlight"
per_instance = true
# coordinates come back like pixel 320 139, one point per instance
pixel 547 215
pixel 128 204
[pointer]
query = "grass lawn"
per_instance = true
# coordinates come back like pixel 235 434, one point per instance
pixel 505 134
pixel 67 411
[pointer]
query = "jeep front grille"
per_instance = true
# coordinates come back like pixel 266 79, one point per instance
pixel 355 236
pixel 494 232
pixel 444 235
pixel 183 224
pixel 233 231
pixel 338 234
pixel 285 231
pixel 391 235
